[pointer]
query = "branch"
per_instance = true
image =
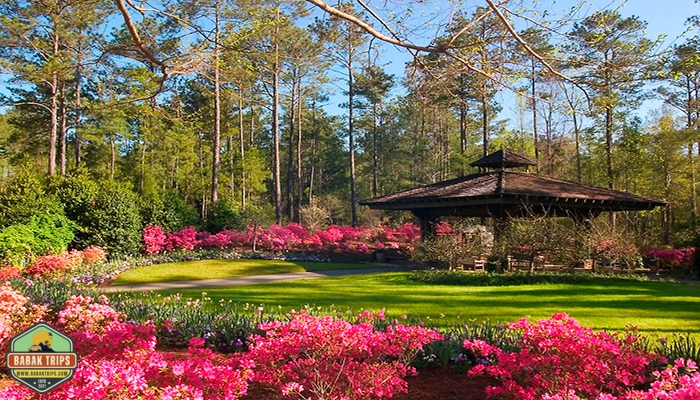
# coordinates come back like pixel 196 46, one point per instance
pixel 523 43
pixel 140 46
pixel 398 42
pixel 137 38
pixel 368 28
pixel 32 103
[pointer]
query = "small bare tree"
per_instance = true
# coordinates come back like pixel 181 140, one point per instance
pixel 453 250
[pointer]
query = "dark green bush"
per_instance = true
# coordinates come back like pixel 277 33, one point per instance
pixel 170 212
pixel 23 197
pixel 223 215
pixel 114 221
pixel 78 193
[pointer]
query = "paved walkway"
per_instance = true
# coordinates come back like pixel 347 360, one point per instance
pixel 248 280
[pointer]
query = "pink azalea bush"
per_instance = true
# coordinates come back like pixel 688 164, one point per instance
pixel 154 239
pixel 292 237
pixel 118 360
pixel 133 371
pixel 671 258
pixel 680 381
pixel 327 358
pixel 558 357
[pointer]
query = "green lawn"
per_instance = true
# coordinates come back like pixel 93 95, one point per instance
pixel 655 307
pixel 211 269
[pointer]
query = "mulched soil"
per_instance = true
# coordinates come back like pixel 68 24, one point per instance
pixel 429 384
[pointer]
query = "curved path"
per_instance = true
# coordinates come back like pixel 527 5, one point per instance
pixel 248 280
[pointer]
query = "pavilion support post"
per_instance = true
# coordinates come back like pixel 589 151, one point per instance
pixel 583 224
pixel 427 223
pixel 500 225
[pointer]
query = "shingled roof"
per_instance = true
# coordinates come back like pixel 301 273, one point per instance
pixel 503 159
pixel 502 193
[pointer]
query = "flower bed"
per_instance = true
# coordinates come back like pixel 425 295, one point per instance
pixel 673 259
pixel 277 238
pixel 329 357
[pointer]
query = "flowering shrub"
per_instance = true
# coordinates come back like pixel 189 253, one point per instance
pixel 82 314
pixel 8 272
pixel 331 358
pixel 16 314
pixel 671 258
pixel 614 251
pixel 679 381
pixel 132 369
pixel 559 357
pixel 93 255
pixel 153 239
pixel 184 239
pixel 50 265
pixel 278 238
pixel 66 262
pixel 443 228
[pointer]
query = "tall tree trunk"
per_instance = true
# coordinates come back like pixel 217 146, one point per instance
pixel 112 156
pixel 533 93
pixel 693 186
pixel 252 118
pixel 203 179
pixel 78 107
pixel 288 187
pixel 608 125
pixel 462 130
pixel 142 175
pixel 232 160
pixel 242 145
pixel 63 132
pixel 53 133
pixel 485 122
pixel 351 137
pixel 276 126
pixel 216 145
pixel 375 150
pixel 300 191
pixel 667 210
pixel 577 140
pixel 548 148
pixel 608 146
pixel 313 153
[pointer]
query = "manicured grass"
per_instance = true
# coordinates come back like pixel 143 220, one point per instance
pixel 212 269
pixel 655 307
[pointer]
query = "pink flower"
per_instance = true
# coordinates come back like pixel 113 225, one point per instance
pixel 196 342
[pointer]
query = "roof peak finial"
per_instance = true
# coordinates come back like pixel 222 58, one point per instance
pixel 502 159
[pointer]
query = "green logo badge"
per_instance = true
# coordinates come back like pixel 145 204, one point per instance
pixel 41 358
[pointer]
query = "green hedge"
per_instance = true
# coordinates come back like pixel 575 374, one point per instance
pixel 465 278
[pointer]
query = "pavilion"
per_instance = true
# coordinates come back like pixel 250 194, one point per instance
pixel 498 193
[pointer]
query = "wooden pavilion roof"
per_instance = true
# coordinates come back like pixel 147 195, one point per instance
pixel 508 193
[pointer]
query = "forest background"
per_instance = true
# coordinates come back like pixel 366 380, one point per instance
pixel 216 113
